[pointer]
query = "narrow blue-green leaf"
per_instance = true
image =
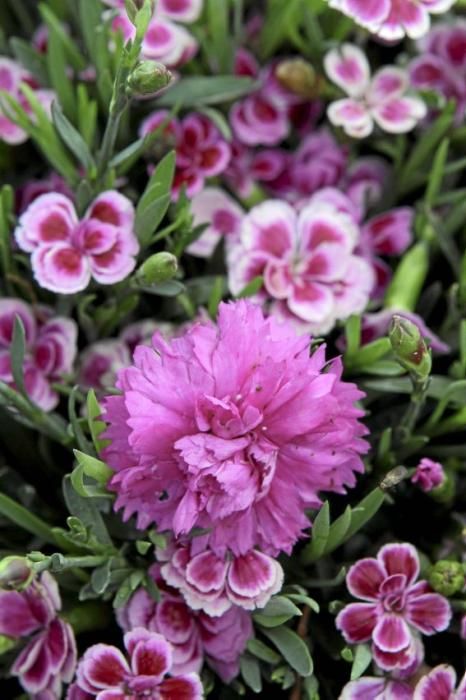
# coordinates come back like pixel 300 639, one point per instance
pixel 251 288
pixel 365 511
pixel 83 442
pixel 96 426
pixel 352 335
pixel 362 659
pixel 250 671
pixel 216 295
pixel 319 535
pixel 437 173
pixel 262 651
pixel 338 530
pixel 86 510
pixel 17 351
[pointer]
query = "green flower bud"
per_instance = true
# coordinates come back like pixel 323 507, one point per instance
pixel 160 267
pixel 148 78
pixel 445 493
pixel 298 76
pixel 15 573
pixel 132 7
pixel 6 643
pixel 447 577
pixel 409 347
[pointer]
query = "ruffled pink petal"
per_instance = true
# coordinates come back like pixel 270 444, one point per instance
pixel 357 622
pixel 113 208
pixel 56 641
pixel 439 684
pixel 51 218
pixel 400 559
pixel 174 621
pixel 348 67
pixel 354 118
pixel 181 688
pixel 168 43
pixel 370 12
pixel 61 269
pixel 251 574
pixel 152 657
pixel 269 228
pixel 103 667
pixel 399 115
pixel 223 215
pixel 387 83
pixel 390 233
pixel 412 16
pixel 364 689
pixel 312 302
pixel 181 10
pixel 117 262
pixel 364 579
pixel 9 309
pixel 430 613
pixel 207 572
pixel 278 279
pixel 17 619
pixel 391 634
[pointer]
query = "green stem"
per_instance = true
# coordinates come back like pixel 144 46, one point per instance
pixel 410 418
pixel 50 563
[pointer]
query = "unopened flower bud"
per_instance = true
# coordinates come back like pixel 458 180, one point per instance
pixel 160 267
pixel 409 346
pixel 447 577
pixel 428 474
pixel 15 573
pixel 299 77
pixel 132 7
pixel 148 78
pixel 6 643
pixel 445 493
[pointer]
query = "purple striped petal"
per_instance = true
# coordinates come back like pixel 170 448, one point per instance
pixel 400 559
pixel 391 633
pixel 430 613
pixel 365 578
pixel 357 622
pixel 439 684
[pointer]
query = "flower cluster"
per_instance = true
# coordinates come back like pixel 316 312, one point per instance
pixel 194 635
pixel 50 349
pixel 104 672
pixel 49 657
pixel 66 252
pixel 201 151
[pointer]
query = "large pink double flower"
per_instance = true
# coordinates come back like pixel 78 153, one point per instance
pixel 397 607
pixel 68 252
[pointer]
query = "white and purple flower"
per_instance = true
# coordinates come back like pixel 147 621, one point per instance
pixel 381 99
pixel 68 252
pixel 396 606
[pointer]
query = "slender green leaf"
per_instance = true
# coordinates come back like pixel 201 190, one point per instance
pixel 86 510
pixel 199 91
pixel 338 530
pixel 251 288
pixel 437 173
pixel 83 442
pixel 216 295
pixel 320 533
pixel 364 511
pixel 292 648
pixel 31 59
pixel 96 426
pixel 21 516
pixel 277 611
pixel 304 600
pixel 72 138
pixel 17 352
pixel 352 335
pixel 60 80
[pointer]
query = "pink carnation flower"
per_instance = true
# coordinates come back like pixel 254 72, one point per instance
pixel 307 260
pixel 33 189
pixel 250 167
pixel 67 252
pixel 165 40
pixel 440 684
pixel 428 474
pixel 368 688
pixel 232 428
pixel 392 19
pixel 396 608
pixel 214 584
pixel 49 656
pixel 223 215
pixel 50 349
pixel 265 117
pixel 201 150
pixel 193 635
pixel 441 66
pixel 381 99
pixel 12 75
pixel 104 672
